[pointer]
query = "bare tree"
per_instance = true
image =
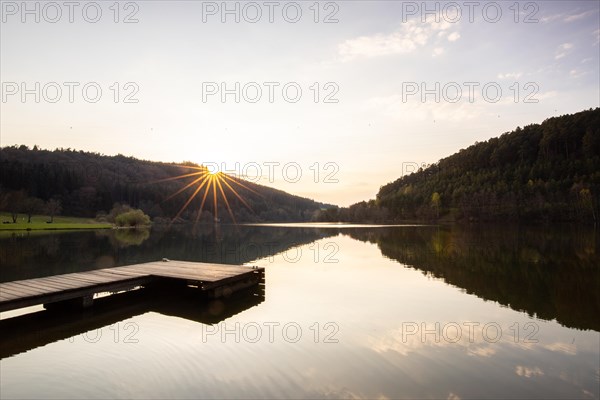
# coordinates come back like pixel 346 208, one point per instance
pixel 53 207
pixel 13 202
pixel 32 205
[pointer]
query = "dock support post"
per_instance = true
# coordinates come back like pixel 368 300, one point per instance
pixel 228 289
pixel 78 302
pixel 87 301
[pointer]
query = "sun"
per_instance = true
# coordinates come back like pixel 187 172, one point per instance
pixel 213 169
pixel 214 182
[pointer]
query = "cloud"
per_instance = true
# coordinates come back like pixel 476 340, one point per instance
pixel 416 110
pixel 453 37
pixel 438 51
pixel 528 372
pixel 562 347
pixel 575 73
pixel 576 17
pixel 411 35
pixel 530 93
pixel 564 17
pixel 551 18
pixel 563 50
pixel 510 75
pixel 482 351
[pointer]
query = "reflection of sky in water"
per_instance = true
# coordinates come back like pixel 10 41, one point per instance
pixel 370 298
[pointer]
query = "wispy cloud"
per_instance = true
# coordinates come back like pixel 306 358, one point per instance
pixel 414 109
pixel 453 37
pixel 563 50
pixel 577 17
pixel 438 51
pixel 510 75
pixel 551 18
pixel 562 347
pixel 567 17
pixel 528 372
pixel 481 351
pixel 411 36
pixel 576 73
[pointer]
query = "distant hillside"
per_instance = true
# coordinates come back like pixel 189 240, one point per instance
pixel 88 183
pixel 548 171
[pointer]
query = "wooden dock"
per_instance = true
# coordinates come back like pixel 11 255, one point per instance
pixel 212 280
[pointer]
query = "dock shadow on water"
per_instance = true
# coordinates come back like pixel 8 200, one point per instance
pixel 29 331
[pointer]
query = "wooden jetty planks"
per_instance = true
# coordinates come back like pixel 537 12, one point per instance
pixel 191 271
pixel 85 284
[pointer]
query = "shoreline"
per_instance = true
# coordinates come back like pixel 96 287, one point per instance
pixel 56 227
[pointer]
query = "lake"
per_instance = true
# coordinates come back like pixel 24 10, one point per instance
pixel 452 312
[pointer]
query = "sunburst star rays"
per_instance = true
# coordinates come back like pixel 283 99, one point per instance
pixel 216 182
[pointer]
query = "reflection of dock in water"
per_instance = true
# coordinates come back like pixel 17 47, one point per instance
pixel 29 331
pixel 78 289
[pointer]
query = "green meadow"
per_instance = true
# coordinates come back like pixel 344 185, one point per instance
pixel 41 222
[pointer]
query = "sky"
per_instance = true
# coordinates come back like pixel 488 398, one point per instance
pixel 328 100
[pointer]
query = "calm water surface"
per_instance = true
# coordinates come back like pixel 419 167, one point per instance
pixel 375 312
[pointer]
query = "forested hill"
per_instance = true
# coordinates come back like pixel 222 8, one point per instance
pixel 86 184
pixel 547 171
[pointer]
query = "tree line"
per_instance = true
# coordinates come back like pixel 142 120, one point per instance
pixel 548 171
pixel 85 184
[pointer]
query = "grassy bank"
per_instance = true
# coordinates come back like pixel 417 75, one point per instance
pixel 40 222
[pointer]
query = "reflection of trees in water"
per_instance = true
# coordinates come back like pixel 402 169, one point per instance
pixel 226 244
pixel 30 256
pixel 551 273
pixel 130 237
pixel 51 253
pixel 51 244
